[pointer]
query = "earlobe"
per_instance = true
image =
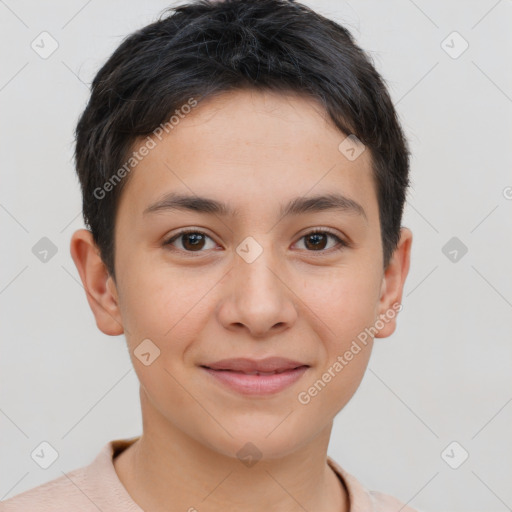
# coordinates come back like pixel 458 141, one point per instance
pixel 99 286
pixel 393 284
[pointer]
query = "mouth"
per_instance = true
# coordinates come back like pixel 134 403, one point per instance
pixel 253 373
pixel 253 377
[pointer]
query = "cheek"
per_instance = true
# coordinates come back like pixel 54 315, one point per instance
pixel 346 301
pixel 347 305
pixel 171 310
pixel 167 310
pixel 331 388
pixel 160 302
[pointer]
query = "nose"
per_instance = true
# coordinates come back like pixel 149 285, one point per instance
pixel 257 298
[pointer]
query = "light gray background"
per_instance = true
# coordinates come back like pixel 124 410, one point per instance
pixel 443 376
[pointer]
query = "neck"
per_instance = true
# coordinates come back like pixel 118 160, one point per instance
pixel 165 469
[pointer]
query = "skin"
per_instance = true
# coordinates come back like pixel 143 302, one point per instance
pixel 254 151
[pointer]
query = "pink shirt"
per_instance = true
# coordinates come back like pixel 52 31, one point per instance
pixel 97 487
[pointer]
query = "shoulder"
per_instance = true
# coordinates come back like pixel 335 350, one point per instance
pixel 364 500
pixel 89 488
pixel 57 495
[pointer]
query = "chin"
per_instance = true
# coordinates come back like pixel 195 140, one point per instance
pixel 258 438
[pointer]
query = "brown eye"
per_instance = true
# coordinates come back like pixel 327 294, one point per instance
pixel 190 241
pixel 316 241
pixel 193 241
pixel 319 240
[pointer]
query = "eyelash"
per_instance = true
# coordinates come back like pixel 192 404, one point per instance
pixel 342 244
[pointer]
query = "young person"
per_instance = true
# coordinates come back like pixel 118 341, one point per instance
pixel 243 174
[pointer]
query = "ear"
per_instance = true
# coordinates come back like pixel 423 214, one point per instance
pixel 393 284
pixel 99 286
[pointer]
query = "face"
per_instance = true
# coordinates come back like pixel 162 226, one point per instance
pixel 260 279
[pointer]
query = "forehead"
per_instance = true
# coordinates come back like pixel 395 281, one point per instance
pixel 252 150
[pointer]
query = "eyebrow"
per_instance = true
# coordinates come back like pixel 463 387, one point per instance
pixel 300 205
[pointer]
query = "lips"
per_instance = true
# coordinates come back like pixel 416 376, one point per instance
pixel 256 377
